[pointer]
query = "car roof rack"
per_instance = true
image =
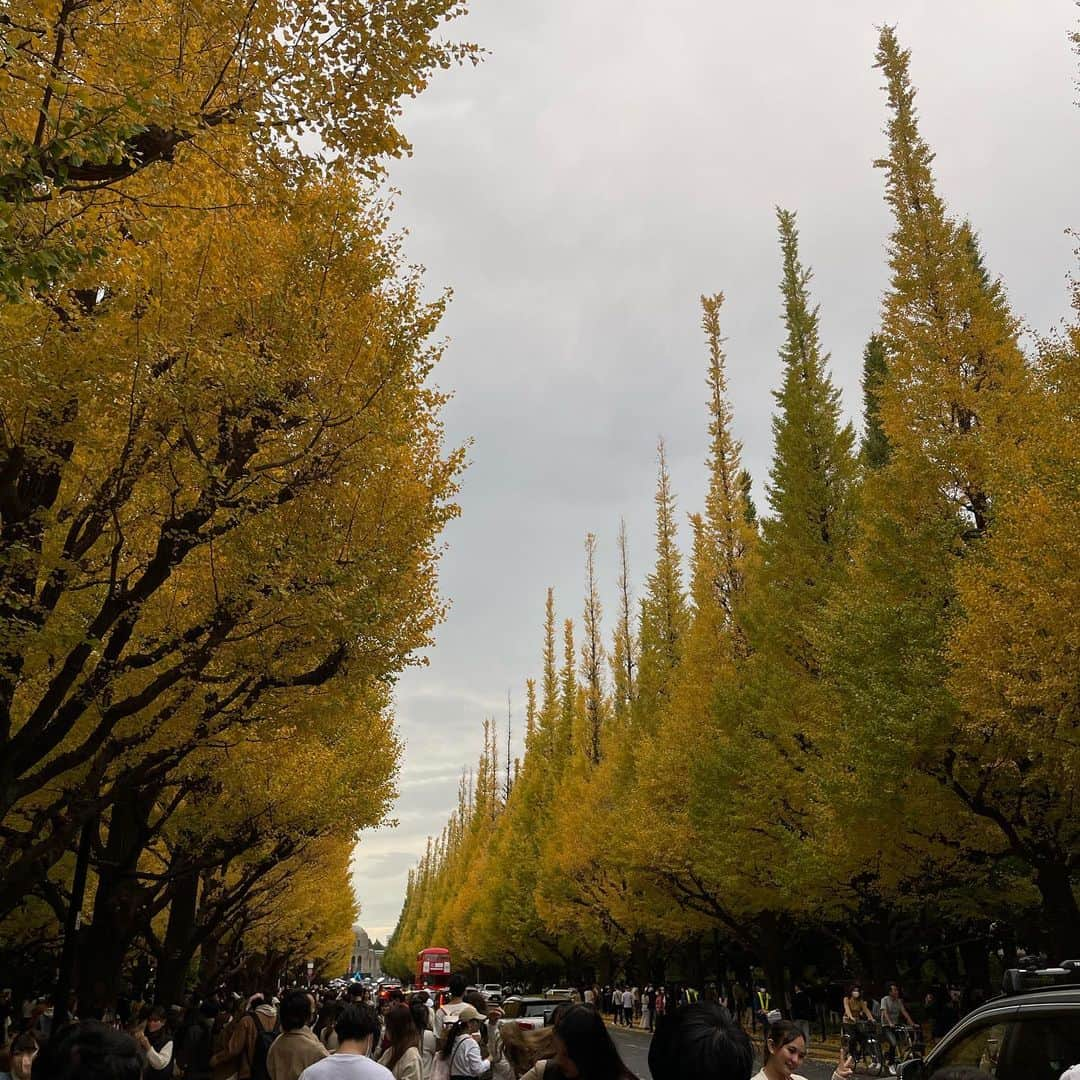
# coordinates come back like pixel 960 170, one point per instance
pixel 1025 979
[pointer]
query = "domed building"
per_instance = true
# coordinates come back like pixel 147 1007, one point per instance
pixel 366 956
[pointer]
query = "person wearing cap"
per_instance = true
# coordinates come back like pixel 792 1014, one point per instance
pixel 461 1047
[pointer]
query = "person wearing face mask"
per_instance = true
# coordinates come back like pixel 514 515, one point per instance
pixel 785 1049
pixel 22 1051
pixel 855 1009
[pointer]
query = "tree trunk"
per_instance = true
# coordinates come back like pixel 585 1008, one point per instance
pixel 117 905
pixel 1061 922
pixel 770 942
pixel 179 940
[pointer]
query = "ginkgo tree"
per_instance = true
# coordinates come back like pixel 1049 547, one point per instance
pixel 101 102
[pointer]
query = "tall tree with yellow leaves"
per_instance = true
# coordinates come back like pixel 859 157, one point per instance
pixel 962 415
pixel 663 615
pixel 102 102
pixel 225 491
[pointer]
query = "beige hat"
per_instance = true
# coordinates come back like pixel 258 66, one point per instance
pixel 466 1012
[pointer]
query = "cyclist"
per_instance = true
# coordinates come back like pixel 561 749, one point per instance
pixel 892 1010
pixel 855 1010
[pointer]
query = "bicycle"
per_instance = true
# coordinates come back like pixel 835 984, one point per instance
pixel 909 1043
pixel 863 1033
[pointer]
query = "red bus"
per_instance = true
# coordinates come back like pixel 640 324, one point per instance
pixel 433 967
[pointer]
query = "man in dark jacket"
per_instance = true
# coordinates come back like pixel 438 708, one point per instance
pixel 197 1044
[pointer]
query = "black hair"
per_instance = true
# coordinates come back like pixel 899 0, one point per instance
pixel 476 1000
pixel 357 1022
pixel 88 1050
pixel 701 1042
pixel 295 1010
pixel 401 1031
pixel 24 1043
pixel 588 1045
pixel 421 1016
pixel 457 985
pixel 452 1033
pixel 782 1032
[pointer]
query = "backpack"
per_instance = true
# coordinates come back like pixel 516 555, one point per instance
pixel 441 1069
pixel 263 1041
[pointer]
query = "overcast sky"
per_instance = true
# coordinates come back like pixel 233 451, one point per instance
pixel 610 161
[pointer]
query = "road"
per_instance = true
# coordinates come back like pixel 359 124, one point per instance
pixel 634 1047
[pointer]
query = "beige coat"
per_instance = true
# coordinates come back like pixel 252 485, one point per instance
pixel 292 1052
pixel 408 1067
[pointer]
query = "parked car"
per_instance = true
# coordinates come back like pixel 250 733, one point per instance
pixel 492 993
pixel 529 1011
pixel 562 992
pixel 1031 1032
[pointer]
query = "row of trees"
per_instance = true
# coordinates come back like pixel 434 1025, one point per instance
pixel 851 723
pixel 222 477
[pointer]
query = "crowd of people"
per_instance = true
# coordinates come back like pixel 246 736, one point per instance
pixel 307 1033
pixel 312 1033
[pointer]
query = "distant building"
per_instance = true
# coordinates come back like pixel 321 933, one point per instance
pixel 366 955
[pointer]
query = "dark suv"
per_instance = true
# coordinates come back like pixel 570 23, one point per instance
pixel 1031 1032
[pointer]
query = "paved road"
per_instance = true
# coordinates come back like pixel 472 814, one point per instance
pixel 634 1047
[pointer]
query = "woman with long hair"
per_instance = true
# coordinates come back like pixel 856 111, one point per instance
pixel 428 1044
pixel 521 1049
pixel 785 1048
pixel 402 1057
pixel 583 1049
pixel 461 1046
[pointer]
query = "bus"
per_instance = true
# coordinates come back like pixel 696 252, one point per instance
pixel 433 967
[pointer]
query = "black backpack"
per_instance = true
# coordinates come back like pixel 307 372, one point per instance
pixel 263 1041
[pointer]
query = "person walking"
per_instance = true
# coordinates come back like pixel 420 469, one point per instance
pixel 197 1047
pixel 802 1010
pixel 628 1006
pixel 249 1041
pixel 422 1014
pixel 446 1014
pixel 646 1008
pixel 357 1028
pixel 403 1057
pixel 297 1046
pixel 785 1049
